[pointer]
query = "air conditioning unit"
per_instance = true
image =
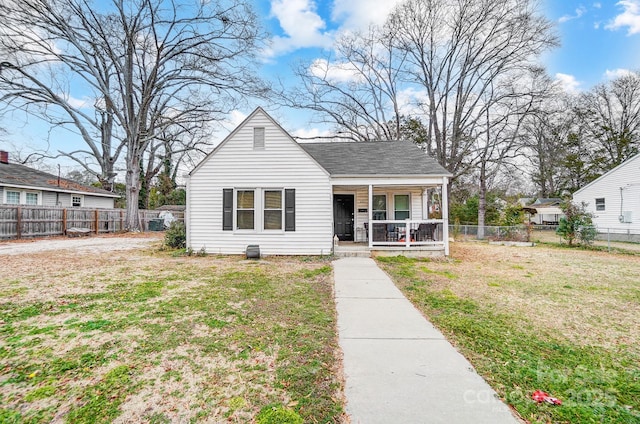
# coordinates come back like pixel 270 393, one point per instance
pixel 626 217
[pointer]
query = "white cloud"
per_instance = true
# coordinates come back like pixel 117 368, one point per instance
pixel 334 72
pixel 302 25
pixel 359 14
pixel 579 12
pixel 568 83
pixel 629 18
pixel 312 134
pixel 410 99
pixel 597 5
pixel 77 103
pixel 616 73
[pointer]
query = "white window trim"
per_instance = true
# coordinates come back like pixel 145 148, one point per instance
pixel 282 211
pixel 256 201
pixel 393 203
pixel 22 196
pixel 258 210
pixel 604 204
pixel 81 200
pixel 6 192
pixel 386 204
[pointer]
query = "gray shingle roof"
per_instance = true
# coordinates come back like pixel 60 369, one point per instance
pixel 374 158
pixel 13 174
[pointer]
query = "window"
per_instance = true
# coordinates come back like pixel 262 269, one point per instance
pixel 245 211
pixel 76 201
pixel 273 209
pixel 31 198
pixel 401 206
pixel 379 207
pixel 600 204
pixel 258 138
pixel 13 197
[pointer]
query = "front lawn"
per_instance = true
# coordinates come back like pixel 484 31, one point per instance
pixel 560 320
pixel 149 337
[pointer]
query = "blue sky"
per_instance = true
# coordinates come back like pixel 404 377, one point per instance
pixel 600 39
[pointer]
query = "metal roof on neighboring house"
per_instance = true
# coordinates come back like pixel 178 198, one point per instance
pixel 374 158
pixel 16 175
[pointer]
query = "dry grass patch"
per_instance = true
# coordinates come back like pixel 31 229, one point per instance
pixel 561 320
pixel 589 297
pixel 148 337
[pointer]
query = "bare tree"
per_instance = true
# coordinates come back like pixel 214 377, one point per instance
pixel 546 138
pixel 355 88
pixel 457 52
pixel 609 116
pixel 148 64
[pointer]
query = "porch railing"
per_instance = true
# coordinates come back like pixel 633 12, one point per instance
pixel 394 232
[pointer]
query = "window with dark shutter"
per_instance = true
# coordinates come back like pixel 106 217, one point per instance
pixel 290 209
pixel 227 209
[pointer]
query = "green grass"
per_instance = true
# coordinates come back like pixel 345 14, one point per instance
pixel 227 337
pixel 598 383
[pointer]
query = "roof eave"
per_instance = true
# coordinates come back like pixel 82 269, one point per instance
pixel 59 190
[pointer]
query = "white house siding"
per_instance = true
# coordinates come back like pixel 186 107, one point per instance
pixel 95 202
pixel 281 164
pixel 49 198
pixel 626 177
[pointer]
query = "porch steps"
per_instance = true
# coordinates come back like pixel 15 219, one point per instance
pixel 351 251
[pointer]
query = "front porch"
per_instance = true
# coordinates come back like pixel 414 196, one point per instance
pixel 391 218
pixel 362 250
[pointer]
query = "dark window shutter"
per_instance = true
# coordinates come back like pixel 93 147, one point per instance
pixel 290 209
pixel 227 209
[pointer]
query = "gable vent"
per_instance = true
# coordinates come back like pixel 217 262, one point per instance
pixel 258 138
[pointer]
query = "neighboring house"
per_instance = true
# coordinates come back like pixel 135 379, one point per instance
pixel 544 211
pixel 614 198
pixel 21 185
pixel 261 187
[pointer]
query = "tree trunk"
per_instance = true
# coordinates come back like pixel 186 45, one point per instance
pixel 482 201
pixel 132 222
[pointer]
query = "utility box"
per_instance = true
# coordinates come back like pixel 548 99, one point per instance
pixel 253 251
pixel 156 224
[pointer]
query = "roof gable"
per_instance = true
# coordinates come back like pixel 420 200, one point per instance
pixel 374 158
pixel 17 175
pixel 247 121
pixel 623 165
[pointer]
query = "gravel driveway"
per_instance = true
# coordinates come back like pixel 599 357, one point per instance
pixel 91 244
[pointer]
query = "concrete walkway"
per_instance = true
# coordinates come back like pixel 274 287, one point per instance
pixel 398 367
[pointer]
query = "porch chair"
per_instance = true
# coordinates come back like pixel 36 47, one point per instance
pixel 425 232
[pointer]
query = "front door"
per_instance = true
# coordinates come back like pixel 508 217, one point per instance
pixel 343 216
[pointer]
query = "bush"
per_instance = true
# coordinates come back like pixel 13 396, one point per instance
pixel 176 235
pixel 577 224
pixel 278 414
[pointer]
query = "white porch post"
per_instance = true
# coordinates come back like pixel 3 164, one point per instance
pixel 370 209
pixel 445 214
pixel 425 203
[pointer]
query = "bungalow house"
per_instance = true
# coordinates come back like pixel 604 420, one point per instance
pixel 21 185
pixel 261 187
pixel 614 200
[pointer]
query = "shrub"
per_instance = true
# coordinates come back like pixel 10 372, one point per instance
pixel 577 224
pixel 176 235
pixel 278 414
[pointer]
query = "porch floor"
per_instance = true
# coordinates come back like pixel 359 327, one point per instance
pixel 349 249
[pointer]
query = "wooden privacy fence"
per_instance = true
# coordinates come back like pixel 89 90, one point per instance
pixel 41 221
